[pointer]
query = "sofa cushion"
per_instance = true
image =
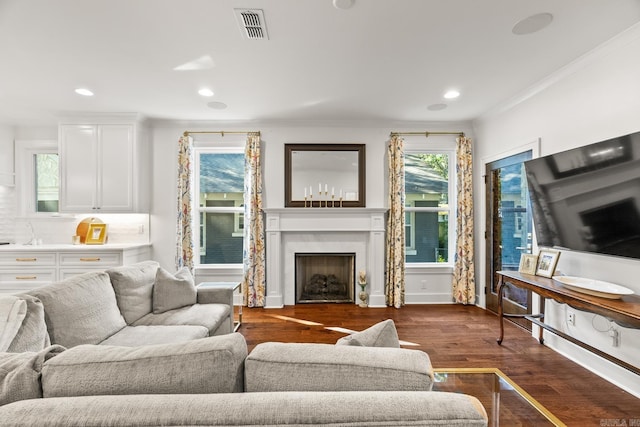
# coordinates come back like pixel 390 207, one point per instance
pixel 215 317
pixel 133 285
pixel 32 335
pixel 80 310
pixel 337 409
pixel 208 365
pixel 173 291
pixel 13 310
pixel 276 366
pixel 133 336
pixel 381 334
pixel 20 374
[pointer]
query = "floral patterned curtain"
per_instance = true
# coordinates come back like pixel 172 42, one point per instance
pixel 395 242
pixel 184 240
pixel 464 284
pixel 253 286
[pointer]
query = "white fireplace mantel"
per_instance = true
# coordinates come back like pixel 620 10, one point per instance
pixel 292 230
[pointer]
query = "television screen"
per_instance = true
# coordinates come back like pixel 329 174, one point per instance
pixel 588 198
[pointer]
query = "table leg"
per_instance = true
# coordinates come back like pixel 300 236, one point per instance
pixel 500 309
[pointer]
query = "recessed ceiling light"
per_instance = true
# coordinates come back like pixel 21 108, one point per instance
pixel 205 92
pixel 83 91
pixel 217 105
pixel 532 24
pixel 452 94
pixel 436 107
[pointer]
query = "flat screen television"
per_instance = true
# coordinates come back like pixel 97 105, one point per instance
pixel 588 198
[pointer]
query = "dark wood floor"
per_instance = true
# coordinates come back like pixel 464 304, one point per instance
pixel 461 336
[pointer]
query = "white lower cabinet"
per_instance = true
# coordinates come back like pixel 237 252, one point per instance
pixel 24 270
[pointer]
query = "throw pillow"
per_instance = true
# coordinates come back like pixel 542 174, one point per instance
pixel 381 334
pixel 133 285
pixel 173 291
pixel 13 310
pixel 33 334
pixel 81 309
pixel 206 365
pixel 20 374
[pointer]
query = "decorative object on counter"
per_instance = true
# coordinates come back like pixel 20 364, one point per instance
pixel 75 239
pixel 547 261
pixel 594 287
pixel 82 229
pixel 97 234
pixel 528 263
pixel 362 281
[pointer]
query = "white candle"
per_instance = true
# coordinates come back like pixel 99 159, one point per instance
pixel 341 193
pixel 319 188
pixel 325 189
pixel 305 192
pixel 310 191
pixel 332 192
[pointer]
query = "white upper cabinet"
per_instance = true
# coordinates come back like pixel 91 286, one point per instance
pixel 102 168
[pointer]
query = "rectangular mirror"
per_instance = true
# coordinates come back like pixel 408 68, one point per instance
pixel 319 171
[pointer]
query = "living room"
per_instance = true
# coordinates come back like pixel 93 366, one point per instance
pixel 589 97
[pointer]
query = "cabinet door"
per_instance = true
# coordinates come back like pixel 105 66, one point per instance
pixel 78 178
pixel 115 168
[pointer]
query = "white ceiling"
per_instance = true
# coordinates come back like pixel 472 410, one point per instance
pixel 381 60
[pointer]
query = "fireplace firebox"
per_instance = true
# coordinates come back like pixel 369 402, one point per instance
pixel 324 277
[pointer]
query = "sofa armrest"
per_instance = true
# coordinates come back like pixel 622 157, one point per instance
pixel 215 295
pixel 206 365
pixel 276 366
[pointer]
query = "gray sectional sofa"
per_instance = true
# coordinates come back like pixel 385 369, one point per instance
pixel 137 346
pixel 131 305
pixel 213 381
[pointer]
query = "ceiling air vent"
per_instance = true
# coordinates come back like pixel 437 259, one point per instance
pixel 252 24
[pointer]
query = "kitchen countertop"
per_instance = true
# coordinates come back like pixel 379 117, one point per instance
pixel 70 247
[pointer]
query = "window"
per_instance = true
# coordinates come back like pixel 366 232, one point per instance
pixel 219 181
pixel 38 178
pixel 428 215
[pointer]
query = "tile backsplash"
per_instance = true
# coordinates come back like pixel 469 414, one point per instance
pixel 122 228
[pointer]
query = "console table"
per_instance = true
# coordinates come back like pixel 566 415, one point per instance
pixel 624 312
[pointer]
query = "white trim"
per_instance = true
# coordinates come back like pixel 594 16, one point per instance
pixel 25 177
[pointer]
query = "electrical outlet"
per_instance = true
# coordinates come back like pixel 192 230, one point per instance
pixel 423 284
pixel 615 337
pixel 140 228
pixel 571 318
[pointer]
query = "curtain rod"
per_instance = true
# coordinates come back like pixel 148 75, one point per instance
pixel 426 134
pixel 222 132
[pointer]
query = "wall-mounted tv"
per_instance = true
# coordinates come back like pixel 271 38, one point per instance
pixel 588 198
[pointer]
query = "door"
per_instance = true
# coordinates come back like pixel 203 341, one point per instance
pixel 509 230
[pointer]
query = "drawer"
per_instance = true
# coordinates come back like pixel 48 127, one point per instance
pixel 27 276
pixel 27 259
pixel 91 260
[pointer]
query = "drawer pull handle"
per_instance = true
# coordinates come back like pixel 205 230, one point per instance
pixel 26 277
pixel 90 259
pixel 26 259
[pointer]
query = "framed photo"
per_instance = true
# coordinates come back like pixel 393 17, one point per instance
pixel 547 261
pixel 528 264
pixel 96 234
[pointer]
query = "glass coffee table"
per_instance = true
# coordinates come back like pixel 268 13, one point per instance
pixel 505 402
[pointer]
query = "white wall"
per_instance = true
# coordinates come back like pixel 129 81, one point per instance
pixel 596 98
pixel 422 285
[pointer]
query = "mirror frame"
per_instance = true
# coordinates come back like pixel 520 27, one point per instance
pixel 288 185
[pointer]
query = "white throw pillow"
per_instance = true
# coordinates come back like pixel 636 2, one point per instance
pixel 173 291
pixel 381 334
pixel 13 310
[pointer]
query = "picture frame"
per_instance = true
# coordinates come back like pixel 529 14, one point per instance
pixel 528 264
pixel 96 234
pixel 547 261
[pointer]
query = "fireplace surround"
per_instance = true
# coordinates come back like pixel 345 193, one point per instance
pixel 360 231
